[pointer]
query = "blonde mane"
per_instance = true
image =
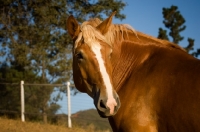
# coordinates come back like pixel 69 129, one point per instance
pixel 89 34
pixel 117 32
pixel 89 31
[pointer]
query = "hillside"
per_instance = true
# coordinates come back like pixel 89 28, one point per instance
pixel 84 119
pixel 90 117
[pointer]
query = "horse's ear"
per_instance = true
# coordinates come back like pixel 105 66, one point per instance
pixel 73 27
pixel 104 26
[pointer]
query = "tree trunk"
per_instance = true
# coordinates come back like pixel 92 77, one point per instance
pixel 44 114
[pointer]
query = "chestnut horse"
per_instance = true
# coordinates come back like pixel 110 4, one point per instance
pixel 140 83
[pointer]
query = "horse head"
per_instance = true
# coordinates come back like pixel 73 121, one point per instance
pixel 92 67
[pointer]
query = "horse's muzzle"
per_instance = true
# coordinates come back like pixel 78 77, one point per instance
pixel 107 106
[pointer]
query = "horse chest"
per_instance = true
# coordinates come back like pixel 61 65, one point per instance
pixel 138 116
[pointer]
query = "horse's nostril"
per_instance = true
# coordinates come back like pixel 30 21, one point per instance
pixel 102 104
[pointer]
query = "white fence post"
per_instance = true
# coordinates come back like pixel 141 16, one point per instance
pixel 22 101
pixel 69 105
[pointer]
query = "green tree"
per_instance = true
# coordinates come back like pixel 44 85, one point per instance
pixel 33 38
pixel 162 34
pixel 10 94
pixel 174 21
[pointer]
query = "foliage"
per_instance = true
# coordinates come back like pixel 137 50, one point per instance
pixel 33 41
pixel 32 33
pixel 9 95
pixel 174 21
pixel 34 96
pixel 162 34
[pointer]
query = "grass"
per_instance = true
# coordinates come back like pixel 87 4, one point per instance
pixel 9 125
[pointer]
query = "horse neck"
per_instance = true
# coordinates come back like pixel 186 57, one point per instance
pixel 139 37
pixel 125 60
pixel 143 38
pixel 128 53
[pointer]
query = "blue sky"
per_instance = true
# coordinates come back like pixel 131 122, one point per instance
pixel 146 16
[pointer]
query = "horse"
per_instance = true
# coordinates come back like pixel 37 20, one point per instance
pixel 140 83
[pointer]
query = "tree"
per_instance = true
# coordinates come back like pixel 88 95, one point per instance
pixel 33 37
pixel 174 21
pixel 162 34
pixel 32 33
pixel 10 94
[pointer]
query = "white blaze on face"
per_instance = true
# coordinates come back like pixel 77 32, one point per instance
pixel 111 102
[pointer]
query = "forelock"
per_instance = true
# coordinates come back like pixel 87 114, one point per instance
pixel 90 34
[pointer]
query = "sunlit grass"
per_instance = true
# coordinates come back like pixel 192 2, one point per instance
pixel 9 125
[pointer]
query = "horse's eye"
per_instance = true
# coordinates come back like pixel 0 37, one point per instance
pixel 110 55
pixel 79 56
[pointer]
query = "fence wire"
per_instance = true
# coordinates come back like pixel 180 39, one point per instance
pixel 79 103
